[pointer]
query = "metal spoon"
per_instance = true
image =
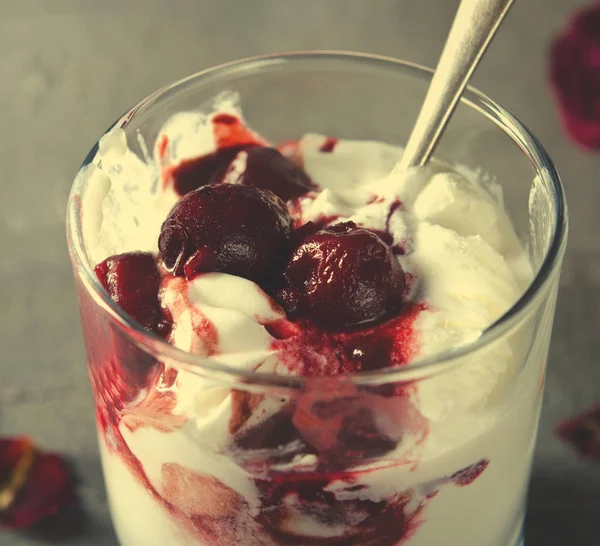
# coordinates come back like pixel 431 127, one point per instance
pixel 474 26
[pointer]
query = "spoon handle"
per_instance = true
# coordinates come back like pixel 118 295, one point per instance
pixel 474 26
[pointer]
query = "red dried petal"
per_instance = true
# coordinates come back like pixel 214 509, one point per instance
pixel 575 76
pixel 33 485
pixel 583 433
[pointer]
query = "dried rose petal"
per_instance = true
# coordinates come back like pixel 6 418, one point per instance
pixel 575 76
pixel 33 485
pixel 583 433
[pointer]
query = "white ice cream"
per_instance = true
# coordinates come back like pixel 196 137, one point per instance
pixel 470 268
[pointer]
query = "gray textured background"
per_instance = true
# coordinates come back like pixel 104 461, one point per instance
pixel 68 69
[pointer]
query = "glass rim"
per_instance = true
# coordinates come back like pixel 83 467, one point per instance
pixel 474 99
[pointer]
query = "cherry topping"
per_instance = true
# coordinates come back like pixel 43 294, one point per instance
pixel 192 174
pixel 228 228
pixel 341 277
pixel 268 169
pixel 132 281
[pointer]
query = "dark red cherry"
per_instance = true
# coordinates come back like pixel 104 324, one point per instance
pixel 229 228
pixel 341 277
pixel 132 280
pixel 192 174
pixel 268 169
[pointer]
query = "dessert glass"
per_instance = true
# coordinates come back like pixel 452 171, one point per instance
pixel 318 470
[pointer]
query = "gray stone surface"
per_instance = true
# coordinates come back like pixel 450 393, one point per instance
pixel 68 69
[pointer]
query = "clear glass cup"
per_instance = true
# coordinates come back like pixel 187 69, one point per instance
pixel 319 470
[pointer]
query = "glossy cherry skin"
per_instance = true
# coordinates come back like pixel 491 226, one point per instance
pixel 229 228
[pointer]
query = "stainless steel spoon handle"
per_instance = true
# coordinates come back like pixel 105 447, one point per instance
pixel 474 26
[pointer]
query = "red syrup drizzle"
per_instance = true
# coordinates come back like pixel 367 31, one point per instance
pixel 399 249
pixel 162 147
pixel 468 475
pixel 333 420
pixel 328 146
pixel 310 351
pixel 231 131
pixel 384 523
pixel 115 389
pixel 204 329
